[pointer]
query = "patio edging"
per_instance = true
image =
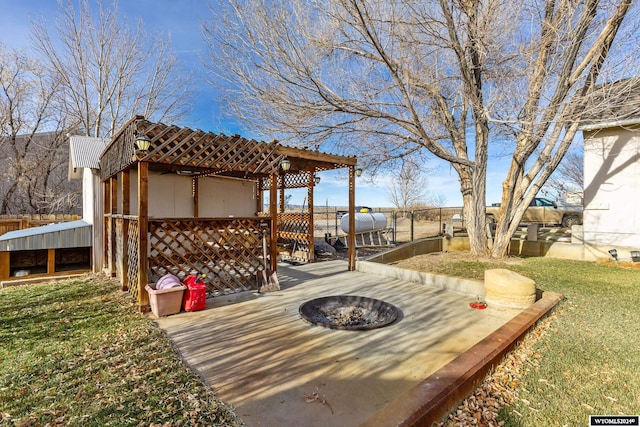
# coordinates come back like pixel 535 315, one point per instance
pixel 436 396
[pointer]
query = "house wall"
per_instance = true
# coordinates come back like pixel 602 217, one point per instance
pixel 612 187
pixel 171 196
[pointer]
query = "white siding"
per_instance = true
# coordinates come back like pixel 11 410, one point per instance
pixel 98 221
pixel 223 197
pixel 171 196
pixel 612 187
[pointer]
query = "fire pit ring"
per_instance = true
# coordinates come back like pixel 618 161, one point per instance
pixel 348 312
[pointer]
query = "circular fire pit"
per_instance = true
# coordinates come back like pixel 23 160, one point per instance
pixel 348 312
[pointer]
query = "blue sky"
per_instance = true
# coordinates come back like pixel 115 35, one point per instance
pixel 181 19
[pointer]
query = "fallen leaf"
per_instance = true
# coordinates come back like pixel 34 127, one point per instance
pixel 589 407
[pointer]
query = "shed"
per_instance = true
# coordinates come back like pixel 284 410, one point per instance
pixel 84 164
pixel 46 251
pixel 182 201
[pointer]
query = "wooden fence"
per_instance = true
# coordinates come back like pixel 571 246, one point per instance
pixel 20 222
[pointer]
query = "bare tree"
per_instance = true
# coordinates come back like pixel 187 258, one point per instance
pixel 385 80
pixel 408 188
pixel 437 200
pixel 567 178
pixel 110 72
pixel 33 147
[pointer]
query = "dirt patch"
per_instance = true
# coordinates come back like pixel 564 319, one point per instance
pixel 431 261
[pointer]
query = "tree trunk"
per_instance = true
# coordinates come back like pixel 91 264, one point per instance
pixel 473 188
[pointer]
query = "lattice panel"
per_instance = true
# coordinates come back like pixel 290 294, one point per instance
pixel 133 254
pixel 119 247
pixel 298 180
pixel 119 153
pixel 173 145
pixel 293 233
pixel 229 251
pixel 291 180
pixel 217 152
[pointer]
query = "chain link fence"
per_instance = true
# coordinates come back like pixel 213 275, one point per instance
pixel 402 225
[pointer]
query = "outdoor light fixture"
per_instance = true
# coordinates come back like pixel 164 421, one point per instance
pixel 358 172
pixel 285 164
pixel 613 253
pixel 317 180
pixel 143 143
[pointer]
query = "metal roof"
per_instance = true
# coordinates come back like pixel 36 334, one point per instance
pixel 85 151
pixel 71 234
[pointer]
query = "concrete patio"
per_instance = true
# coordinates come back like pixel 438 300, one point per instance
pixel 277 369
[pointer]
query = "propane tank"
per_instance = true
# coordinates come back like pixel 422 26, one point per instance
pixel 365 222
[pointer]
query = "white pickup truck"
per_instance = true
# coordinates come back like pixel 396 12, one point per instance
pixel 542 211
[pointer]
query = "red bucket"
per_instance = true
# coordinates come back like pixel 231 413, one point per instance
pixel 195 296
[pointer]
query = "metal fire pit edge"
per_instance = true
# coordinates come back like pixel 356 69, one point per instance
pixel 312 311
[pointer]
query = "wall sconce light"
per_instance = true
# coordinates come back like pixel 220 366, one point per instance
pixel 285 164
pixel 613 253
pixel 358 172
pixel 316 180
pixel 635 256
pixel 142 143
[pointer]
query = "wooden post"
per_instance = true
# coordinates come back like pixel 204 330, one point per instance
pixel 5 266
pixel 351 237
pixel 282 199
pixel 273 211
pixel 106 193
pixel 125 189
pixel 310 185
pixel 259 198
pixel 51 261
pixel 196 197
pixel 113 208
pixel 143 235
pixel 126 210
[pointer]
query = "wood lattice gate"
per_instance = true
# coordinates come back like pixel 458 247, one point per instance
pixel 293 234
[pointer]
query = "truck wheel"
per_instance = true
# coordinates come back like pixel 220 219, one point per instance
pixel 491 219
pixel 569 220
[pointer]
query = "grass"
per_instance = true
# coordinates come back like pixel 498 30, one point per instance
pixel 588 363
pixel 78 353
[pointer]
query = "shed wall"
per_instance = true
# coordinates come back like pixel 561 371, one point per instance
pixel 171 196
pixel 221 197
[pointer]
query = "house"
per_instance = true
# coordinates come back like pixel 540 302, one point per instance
pixel 611 132
pixel 183 201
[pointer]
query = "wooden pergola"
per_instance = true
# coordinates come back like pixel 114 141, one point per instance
pixel 140 247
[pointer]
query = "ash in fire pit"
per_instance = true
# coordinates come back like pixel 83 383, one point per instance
pixel 348 312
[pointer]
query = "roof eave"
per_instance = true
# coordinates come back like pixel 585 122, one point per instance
pixel 609 124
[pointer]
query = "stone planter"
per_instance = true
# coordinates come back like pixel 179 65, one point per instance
pixel 165 301
pixel 508 289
